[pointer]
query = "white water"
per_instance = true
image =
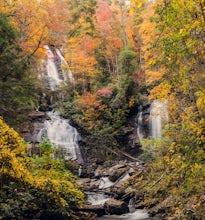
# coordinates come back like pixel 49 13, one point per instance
pixel 52 72
pixel 105 183
pixel 97 198
pixel 70 75
pixel 63 135
pixel 137 215
pixel 58 130
pixel 56 78
pixel 124 177
pixel 158 114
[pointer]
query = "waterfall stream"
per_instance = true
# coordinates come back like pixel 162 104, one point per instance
pixel 63 135
pixel 57 69
pixel 158 114
pixel 53 75
pixel 150 122
pixel 58 129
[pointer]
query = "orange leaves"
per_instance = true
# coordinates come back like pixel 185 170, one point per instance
pixel 38 22
pixel 82 55
pixel 88 100
pixel 109 27
pixel 103 13
pixel 84 64
pixel 90 106
pixel 58 22
pixel 29 18
pixel 89 44
pixel 149 35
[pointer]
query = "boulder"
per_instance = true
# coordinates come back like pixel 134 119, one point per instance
pixel 113 206
pixel 83 181
pixel 117 173
pixel 98 209
pixel 36 115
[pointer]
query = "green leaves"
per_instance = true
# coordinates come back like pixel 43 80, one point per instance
pixel 17 87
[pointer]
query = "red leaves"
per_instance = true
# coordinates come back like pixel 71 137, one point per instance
pixel 104 92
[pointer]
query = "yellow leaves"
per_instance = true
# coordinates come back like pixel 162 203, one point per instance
pixel 161 92
pixel 200 102
pixel 131 101
pixel 13 163
pixel 196 167
pixel 63 202
pixel 12 153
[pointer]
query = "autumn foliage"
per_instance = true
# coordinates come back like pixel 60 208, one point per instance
pixel 22 177
pixel 122 54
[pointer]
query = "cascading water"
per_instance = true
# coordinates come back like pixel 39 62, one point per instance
pixel 97 198
pixel 150 119
pixel 70 75
pixel 58 129
pixel 63 135
pixel 56 67
pixel 158 114
pixel 53 76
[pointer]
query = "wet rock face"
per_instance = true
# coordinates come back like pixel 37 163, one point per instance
pixel 36 122
pixel 137 127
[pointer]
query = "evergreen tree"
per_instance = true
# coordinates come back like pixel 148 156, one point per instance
pixel 16 84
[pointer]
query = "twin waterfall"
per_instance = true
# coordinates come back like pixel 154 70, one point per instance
pixel 62 134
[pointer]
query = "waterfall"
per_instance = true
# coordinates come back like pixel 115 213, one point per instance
pixel 54 79
pixel 63 135
pixel 158 115
pixel 70 75
pixel 58 129
pixel 56 67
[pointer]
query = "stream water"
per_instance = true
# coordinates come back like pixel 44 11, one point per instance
pixel 63 135
pixel 158 115
pixel 137 215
